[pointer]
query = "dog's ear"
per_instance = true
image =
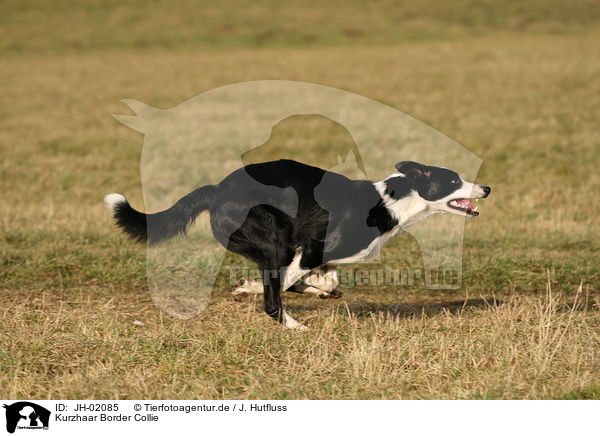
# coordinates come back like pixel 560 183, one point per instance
pixel 409 166
pixel 418 174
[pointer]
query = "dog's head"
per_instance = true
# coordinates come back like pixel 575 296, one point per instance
pixel 442 189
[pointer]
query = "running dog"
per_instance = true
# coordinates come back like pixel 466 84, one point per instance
pixel 297 222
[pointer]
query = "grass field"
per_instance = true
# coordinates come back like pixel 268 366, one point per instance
pixel 516 84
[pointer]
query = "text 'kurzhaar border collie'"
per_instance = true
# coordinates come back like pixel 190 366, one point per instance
pixel 297 221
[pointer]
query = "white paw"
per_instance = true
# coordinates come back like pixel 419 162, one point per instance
pixel 292 324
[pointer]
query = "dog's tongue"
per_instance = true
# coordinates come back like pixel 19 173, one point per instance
pixel 465 203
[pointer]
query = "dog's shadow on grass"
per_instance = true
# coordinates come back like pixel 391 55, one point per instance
pixel 407 310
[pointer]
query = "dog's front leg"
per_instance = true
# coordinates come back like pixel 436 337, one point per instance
pixel 272 300
pixel 294 272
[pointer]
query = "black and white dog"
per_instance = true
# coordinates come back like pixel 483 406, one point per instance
pixel 293 219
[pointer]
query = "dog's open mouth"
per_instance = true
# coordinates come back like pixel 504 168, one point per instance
pixel 464 205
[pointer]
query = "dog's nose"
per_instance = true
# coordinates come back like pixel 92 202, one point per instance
pixel 486 190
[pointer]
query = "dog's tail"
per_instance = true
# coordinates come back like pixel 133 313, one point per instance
pixel 160 226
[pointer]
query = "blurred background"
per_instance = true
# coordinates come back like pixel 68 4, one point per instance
pixel 514 82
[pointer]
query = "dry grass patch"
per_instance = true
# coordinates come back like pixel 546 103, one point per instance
pixel 523 347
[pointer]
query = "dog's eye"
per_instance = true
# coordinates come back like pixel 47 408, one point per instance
pixel 454 181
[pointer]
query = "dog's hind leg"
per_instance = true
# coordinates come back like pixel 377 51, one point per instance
pixel 321 282
pixel 246 286
pixel 255 287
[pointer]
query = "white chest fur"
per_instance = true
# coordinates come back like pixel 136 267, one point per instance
pixel 407 211
pixel 371 251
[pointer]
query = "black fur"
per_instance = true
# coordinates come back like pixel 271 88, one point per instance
pixel 266 211
pixel 285 205
pixel 157 227
pixel 432 183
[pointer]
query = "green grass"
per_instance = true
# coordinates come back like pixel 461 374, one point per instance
pixel 516 84
pixel 83 25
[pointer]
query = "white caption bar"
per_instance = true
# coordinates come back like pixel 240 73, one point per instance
pixel 72 417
